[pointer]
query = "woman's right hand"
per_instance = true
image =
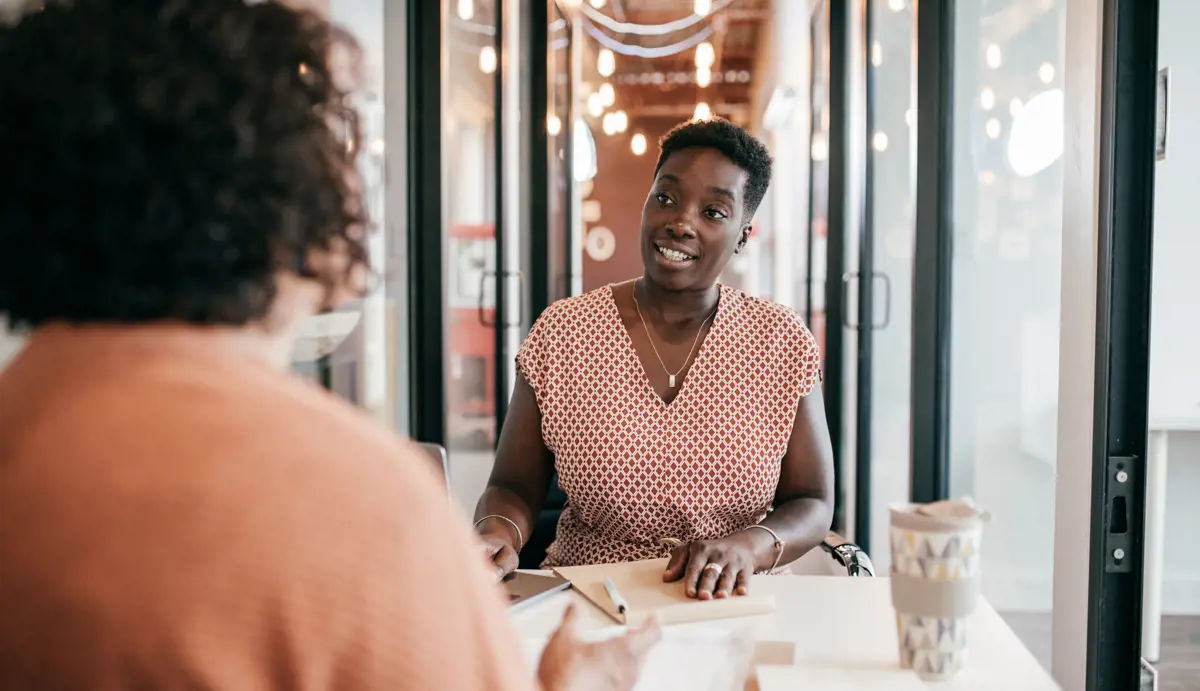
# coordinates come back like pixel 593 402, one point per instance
pixel 500 554
pixel 570 664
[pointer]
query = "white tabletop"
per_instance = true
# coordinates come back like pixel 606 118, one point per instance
pixel 845 626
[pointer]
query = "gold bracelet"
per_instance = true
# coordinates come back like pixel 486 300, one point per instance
pixel 779 544
pixel 506 519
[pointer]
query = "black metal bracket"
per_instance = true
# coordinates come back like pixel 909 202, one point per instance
pixel 1123 503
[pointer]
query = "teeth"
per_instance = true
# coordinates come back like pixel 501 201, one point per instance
pixel 673 255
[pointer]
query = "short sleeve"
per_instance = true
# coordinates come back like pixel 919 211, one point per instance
pixel 805 355
pixel 532 356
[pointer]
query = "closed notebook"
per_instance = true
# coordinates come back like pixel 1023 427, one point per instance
pixel 640 584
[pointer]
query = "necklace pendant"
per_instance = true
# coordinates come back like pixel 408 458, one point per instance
pixel 672 380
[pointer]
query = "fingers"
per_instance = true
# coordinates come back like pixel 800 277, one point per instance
pixel 644 637
pixel 691 578
pixel 679 559
pixel 507 560
pixel 725 583
pixel 742 585
pixel 708 579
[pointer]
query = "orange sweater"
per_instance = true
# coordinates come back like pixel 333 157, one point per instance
pixel 174 515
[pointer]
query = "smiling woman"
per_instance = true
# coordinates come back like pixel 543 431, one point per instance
pixel 678 413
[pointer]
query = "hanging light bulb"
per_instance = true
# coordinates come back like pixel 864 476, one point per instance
pixel 621 121
pixel 703 112
pixel 595 104
pixel 987 98
pixel 705 55
pixel 993 56
pixel 702 7
pixel 609 124
pixel 992 128
pixel 607 94
pixel 606 62
pixel 553 125
pixel 466 10
pixel 703 77
pixel 487 59
pixel 638 144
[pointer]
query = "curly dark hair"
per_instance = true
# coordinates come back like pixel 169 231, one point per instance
pixel 735 143
pixel 169 157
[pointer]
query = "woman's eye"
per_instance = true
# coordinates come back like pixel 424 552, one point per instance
pixel 662 199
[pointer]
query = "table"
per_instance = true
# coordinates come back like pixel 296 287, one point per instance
pixel 1165 421
pixel 848 624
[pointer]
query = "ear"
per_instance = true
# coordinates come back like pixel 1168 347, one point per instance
pixel 743 237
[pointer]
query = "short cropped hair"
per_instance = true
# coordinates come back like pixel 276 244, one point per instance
pixel 735 143
pixel 168 158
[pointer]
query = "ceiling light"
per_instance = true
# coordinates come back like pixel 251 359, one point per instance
pixel 987 98
pixel 638 144
pixel 487 59
pixel 595 104
pixel 705 55
pixel 703 77
pixel 606 62
pixel 553 125
pixel 992 128
pixel 702 7
pixel 880 141
pixel 466 10
pixel 993 56
pixel 1046 73
pixel 608 95
pixel 703 112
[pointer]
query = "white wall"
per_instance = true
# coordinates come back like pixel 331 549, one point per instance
pixel 1175 331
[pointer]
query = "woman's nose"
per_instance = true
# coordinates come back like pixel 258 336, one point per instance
pixel 681 229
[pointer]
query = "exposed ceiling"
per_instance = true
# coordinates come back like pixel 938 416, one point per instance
pixel 666 86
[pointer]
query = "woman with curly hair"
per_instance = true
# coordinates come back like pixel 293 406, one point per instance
pixel 176 510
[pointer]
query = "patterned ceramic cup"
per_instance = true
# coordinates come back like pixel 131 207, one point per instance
pixel 935 583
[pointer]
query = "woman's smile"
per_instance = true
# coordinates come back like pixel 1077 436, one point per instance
pixel 673 256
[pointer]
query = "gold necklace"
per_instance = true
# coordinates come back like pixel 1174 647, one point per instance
pixel 649 336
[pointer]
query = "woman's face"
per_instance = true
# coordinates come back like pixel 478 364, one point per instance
pixel 693 219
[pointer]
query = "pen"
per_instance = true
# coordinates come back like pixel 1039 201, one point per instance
pixel 615 596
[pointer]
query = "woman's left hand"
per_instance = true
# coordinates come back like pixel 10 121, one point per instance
pixel 713 568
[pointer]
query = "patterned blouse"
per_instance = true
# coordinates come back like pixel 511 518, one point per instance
pixel 636 469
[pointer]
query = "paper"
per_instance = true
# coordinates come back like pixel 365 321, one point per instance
pixel 641 584
pixel 832 679
pixel 686 659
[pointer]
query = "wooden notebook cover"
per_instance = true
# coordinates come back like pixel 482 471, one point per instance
pixel 641 584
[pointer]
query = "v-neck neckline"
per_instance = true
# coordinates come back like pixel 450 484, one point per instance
pixel 631 349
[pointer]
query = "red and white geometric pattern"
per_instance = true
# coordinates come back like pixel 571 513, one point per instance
pixel 636 469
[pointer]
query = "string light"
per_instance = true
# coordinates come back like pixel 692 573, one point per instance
pixel 487 59
pixel 595 104
pixel 703 77
pixel 703 112
pixel 620 121
pixel 702 7
pixel 609 124
pixel 608 95
pixel 1046 73
pixel 553 125
pixel 987 98
pixel 993 56
pixel 638 144
pixel 597 3
pixel 466 10
pixel 992 128
pixel 705 55
pixel 606 62
pixel 880 141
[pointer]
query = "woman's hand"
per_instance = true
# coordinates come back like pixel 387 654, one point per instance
pixel 500 553
pixel 714 568
pixel 570 664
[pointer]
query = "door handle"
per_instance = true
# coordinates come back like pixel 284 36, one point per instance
pixel 887 300
pixel 520 298
pixel 483 279
pixel 846 278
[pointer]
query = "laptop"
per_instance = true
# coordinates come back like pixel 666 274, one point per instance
pixel 527 588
